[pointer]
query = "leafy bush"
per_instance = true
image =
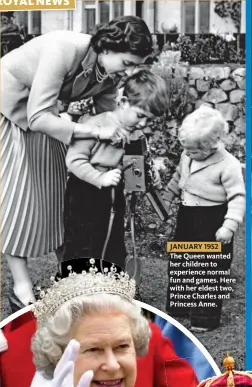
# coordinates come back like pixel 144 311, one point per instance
pixel 236 141
pixel 173 70
pixel 199 49
pixel 164 144
pixel 229 9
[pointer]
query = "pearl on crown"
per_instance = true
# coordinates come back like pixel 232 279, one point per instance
pixel 84 284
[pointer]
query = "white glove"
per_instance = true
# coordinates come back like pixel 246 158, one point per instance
pixel 3 342
pixel 64 371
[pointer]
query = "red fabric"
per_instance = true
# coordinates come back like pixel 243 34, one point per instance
pixel 160 368
pixel 240 379
pixel 16 366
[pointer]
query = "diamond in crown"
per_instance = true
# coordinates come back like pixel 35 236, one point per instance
pixel 84 284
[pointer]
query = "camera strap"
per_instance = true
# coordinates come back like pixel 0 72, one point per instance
pixel 136 271
pixel 133 264
pixel 111 221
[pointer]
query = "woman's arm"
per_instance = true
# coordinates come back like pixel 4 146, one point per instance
pixel 55 62
pixel 170 369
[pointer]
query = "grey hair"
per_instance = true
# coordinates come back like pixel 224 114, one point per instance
pixel 51 339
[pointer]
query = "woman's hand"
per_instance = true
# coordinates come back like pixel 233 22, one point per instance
pixel 115 134
pixel 224 235
pixel 64 371
pixel 111 178
pixel 109 131
pixel 89 129
pixel 113 131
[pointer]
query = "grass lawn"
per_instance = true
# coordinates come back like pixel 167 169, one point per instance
pixel 230 336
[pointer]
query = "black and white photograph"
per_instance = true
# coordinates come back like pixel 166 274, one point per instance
pixel 123 129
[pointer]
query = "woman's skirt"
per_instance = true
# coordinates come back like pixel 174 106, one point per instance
pixel 33 180
pixel 86 222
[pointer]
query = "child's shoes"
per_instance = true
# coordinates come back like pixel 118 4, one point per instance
pixel 199 329
pixel 204 323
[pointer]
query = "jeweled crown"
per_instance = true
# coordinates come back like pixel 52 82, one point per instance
pixel 230 378
pixel 84 284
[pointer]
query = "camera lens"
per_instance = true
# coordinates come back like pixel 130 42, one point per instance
pixel 137 172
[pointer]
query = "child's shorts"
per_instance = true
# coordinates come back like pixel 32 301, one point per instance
pixel 86 221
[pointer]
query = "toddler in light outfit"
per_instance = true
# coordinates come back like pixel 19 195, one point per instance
pixel 210 184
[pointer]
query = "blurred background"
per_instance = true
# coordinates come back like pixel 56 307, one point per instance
pixel 167 20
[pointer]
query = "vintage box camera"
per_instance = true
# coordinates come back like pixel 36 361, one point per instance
pixel 138 174
pixel 134 166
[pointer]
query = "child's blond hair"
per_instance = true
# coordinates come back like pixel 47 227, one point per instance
pixel 205 128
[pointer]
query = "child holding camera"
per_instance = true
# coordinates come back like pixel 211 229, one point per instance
pixel 95 184
pixel 210 184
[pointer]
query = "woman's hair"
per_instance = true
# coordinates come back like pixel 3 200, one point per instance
pixel 8 14
pixel 50 340
pixel 147 91
pixel 124 34
pixel 205 127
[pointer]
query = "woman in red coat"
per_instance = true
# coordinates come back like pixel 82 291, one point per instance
pixel 161 367
pixel 16 362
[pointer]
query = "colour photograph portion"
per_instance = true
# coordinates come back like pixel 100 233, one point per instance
pixel 87 330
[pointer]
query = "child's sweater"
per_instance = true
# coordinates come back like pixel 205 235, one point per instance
pixel 89 159
pixel 218 179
